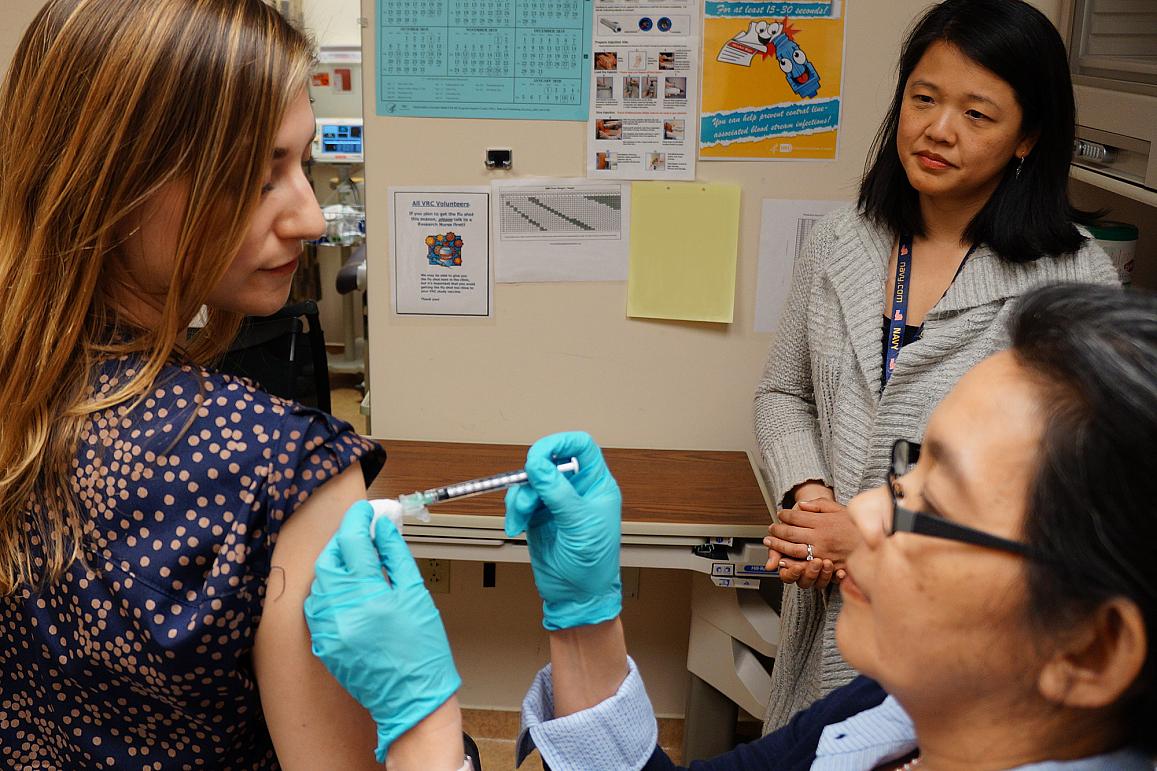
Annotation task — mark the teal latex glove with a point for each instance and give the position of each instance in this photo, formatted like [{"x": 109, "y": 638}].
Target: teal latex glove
[
  {"x": 382, "y": 640},
  {"x": 572, "y": 528}
]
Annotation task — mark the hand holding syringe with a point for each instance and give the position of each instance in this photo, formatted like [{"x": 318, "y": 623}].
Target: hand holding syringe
[{"x": 414, "y": 504}]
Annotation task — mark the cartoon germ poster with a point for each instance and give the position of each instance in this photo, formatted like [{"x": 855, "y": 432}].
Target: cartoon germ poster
[{"x": 772, "y": 80}]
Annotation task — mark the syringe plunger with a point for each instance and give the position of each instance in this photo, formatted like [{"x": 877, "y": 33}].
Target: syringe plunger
[{"x": 493, "y": 482}]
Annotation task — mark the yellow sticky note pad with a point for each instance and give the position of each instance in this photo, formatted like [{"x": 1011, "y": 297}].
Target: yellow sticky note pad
[{"x": 684, "y": 240}]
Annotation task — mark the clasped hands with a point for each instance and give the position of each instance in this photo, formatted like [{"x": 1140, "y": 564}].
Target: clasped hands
[{"x": 825, "y": 525}]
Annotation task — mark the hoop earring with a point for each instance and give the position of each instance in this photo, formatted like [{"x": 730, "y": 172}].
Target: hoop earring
[{"x": 1019, "y": 166}]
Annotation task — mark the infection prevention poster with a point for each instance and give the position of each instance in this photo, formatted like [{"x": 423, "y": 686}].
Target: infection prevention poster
[
  {"x": 772, "y": 80},
  {"x": 440, "y": 248}
]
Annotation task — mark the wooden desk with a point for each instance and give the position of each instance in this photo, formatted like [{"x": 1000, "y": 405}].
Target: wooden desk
[
  {"x": 672, "y": 500},
  {"x": 694, "y": 493}
]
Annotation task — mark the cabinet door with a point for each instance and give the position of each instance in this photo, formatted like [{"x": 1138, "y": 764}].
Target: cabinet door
[{"x": 1115, "y": 39}]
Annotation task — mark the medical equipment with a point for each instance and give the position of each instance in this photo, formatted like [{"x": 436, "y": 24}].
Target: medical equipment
[
  {"x": 345, "y": 225},
  {"x": 338, "y": 140},
  {"x": 415, "y": 503}
]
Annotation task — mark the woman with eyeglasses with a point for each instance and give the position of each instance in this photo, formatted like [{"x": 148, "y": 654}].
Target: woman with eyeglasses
[
  {"x": 1002, "y": 598},
  {"x": 962, "y": 208}
]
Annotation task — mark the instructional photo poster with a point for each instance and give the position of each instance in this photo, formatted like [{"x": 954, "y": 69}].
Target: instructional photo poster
[
  {"x": 643, "y": 90},
  {"x": 440, "y": 250},
  {"x": 772, "y": 80}
]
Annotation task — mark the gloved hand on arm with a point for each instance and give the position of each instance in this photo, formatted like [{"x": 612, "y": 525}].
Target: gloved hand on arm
[
  {"x": 573, "y": 530},
  {"x": 382, "y": 640}
]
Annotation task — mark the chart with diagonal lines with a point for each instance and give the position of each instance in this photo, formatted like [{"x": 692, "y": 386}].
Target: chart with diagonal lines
[{"x": 546, "y": 213}]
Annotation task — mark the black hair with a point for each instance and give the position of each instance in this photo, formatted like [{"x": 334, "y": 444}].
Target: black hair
[
  {"x": 1026, "y": 216},
  {"x": 1091, "y": 510}
]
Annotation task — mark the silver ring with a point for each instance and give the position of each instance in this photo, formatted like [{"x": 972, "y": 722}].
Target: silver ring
[{"x": 810, "y": 553}]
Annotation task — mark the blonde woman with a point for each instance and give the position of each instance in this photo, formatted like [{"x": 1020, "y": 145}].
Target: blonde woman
[{"x": 159, "y": 521}]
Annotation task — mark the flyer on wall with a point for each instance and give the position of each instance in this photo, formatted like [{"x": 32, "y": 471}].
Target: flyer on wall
[
  {"x": 561, "y": 229},
  {"x": 772, "y": 80},
  {"x": 523, "y": 59},
  {"x": 440, "y": 250},
  {"x": 644, "y": 90}
]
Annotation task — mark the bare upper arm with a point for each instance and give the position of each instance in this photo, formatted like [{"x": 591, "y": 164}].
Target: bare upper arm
[{"x": 310, "y": 716}]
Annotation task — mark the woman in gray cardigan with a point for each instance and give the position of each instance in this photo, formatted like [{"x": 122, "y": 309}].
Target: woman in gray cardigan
[{"x": 963, "y": 208}]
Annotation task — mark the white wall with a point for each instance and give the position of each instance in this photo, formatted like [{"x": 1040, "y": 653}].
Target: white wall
[
  {"x": 630, "y": 382},
  {"x": 18, "y": 14},
  {"x": 333, "y": 22}
]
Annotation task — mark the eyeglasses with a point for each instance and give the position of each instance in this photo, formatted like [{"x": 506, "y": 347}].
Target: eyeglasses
[{"x": 904, "y": 520}]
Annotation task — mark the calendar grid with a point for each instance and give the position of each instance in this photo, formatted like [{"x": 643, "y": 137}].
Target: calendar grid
[{"x": 483, "y": 52}]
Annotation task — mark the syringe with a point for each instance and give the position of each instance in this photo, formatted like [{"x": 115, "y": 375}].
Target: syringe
[{"x": 415, "y": 503}]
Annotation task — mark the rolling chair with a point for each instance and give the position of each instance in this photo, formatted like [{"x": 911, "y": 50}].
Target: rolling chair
[
  {"x": 350, "y": 277},
  {"x": 284, "y": 353},
  {"x": 472, "y": 751}
]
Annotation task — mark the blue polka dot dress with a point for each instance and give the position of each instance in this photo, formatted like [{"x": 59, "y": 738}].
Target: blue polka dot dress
[{"x": 142, "y": 658}]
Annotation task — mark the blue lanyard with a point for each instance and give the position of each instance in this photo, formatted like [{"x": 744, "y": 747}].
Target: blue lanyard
[{"x": 899, "y": 315}]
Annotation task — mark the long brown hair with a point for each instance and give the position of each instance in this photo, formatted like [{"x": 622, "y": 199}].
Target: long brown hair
[{"x": 106, "y": 103}]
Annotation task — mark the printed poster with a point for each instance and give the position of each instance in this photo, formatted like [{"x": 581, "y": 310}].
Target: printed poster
[
  {"x": 561, "y": 230},
  {"x": 527, "y": 59},
  {"x": 644, "y": 95},
  {"x": 440, "y": 249},
  {"x": 772, "y": 80},
  {"x": 784, "y": 229}
]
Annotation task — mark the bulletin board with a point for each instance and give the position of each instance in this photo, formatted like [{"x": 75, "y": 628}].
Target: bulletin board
[{"x": 557, "y": 356}]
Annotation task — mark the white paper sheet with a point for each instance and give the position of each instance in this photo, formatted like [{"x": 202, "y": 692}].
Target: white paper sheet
[
  {"x": 644, "y": 90},
  {"x": 783, "y": 229},
  {"x": 440, "y": 250},
  {"x": 561, "y": 230}
]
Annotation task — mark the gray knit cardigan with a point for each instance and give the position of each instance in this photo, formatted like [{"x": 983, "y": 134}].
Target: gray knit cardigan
[{"x": 819, "y": 411}]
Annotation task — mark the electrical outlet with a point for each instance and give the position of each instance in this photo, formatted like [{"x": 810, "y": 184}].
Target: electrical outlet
[{"x": 436, "y": 574}]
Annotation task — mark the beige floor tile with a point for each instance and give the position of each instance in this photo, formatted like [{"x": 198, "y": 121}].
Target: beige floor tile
[
  {"x": 347, "y": 403},
  {"x": 489, "y": 728},
  {"x": 498, "y": 755},
  {"x": 671, "y": 734},
  {"x": 490, "y": 723}
]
